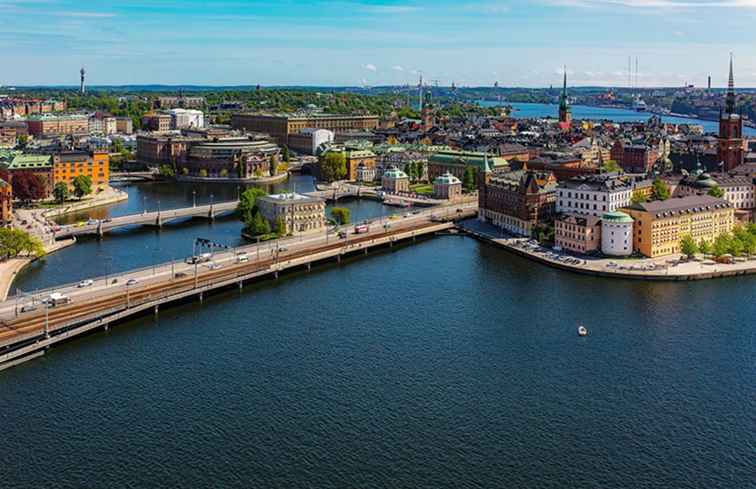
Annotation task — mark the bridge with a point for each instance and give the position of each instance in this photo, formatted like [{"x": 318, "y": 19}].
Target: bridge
[
  {"x": 153, "y": 218},
  {"x": 29, "y": 324},
  {"x": 134, "y": 176}
]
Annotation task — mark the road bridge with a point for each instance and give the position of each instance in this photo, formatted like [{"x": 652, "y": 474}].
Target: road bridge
[
  {"x": 152, "y": 218},
  {"x": 134, "y": 176},
  {"x": 29, "y": 325}
]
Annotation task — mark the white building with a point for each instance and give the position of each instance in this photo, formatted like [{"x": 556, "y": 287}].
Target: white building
[
  {"x": 616, "y": 234},
  {"x": 186, "y": 118},
  {"x": 593, "y": 195},
  {"x": 299, "y": 213}
]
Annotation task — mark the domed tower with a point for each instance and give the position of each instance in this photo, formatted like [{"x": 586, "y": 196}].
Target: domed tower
[{"x": 731, "y": 152}]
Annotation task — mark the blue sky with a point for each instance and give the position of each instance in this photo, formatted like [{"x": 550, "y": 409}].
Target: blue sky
[{"x": 315, "y": 42}]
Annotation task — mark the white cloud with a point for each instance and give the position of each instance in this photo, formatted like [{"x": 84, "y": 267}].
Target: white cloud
[
  {"x": 397, "y": 68},
  {"x": 370, "y": 67}
]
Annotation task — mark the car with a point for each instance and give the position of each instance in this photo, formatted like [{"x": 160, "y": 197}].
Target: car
[
  {"x": 281, "y": 249},
  {"x": 214, "y": 266},
  {"x": 85, "y": 283},
  {"x": 342, "y": 234},
  {"x": 242, "y": 258},
  {"x": 416, "y": 212},
  {"x": 28, "y": 308},
  {"x": 180, "y": 275},
  {"x": 132, "y": 281}
]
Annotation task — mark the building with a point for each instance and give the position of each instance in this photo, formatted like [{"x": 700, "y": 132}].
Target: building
[
  {"x": 308, "y": 140},
  {"x": 456, "y": 162},
  {"x": 35, "y": 164},
  {"x": 103, "y": 124},
  {"x": 164, "y": 149},
  {"x": 11, "y": 108},
  {"x": 514, "y": 152},
  {"x": 738, "y": 190},
  {"x": 565, "y": 111},
  {"x": 563, "y": 166},
  {"x": 616, "y": 234},
  {"x": 731, "y": 150},
  {"x": 634, "y": 158},
  {"x": 186, "y": 118},
  {"x": 366, "y": 174},
  {"x": 594, "y": 195},
  {"x": 577, "y": 234},
  {"x": 299, "y": 213},
  {"x": 67, "y": 165},
  {"x": 661, "y": 225},
  {"x": 356, "y": 158},
  {"x": 124, "y": 125},
  {"x": 280, "y": 126},
  {"x": 181, "y": 102},
  {"x": 10, "y": 131},
  {"x": 447, "y": 187},
  {"x": 517, "y": 201},
  {"x": 395, "y": 180},
  {"x": 58, "y": 125},
  {"x": 244, "y": 158},
  {"x": 157, "y": 122},
  {"x": 6, "y": 203}
]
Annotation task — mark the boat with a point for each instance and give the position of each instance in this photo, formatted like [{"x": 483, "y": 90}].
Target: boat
[{"x": 582, "y": 331}]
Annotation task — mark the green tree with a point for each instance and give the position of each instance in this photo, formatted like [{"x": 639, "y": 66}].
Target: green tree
[
  {"x": 721, "y": 245},
  {"x": 342, "y": 215},
  {"x": 258, "y": 226},
  {"x": 247, "y": 207},
  {"x": 333, "y": 166},
  {"x": 167, "y": 171},
  {"x": 638, "y": 197},
  {"x": 660, "y": 190},
  {"x": 688, "y": 246},
  {"x": 285, "y": 154},
  {"x": 280, "y": 228},
  {"x": 23, "y": 140},
  {"x": 705, "y": 247},
  {"x": 15, "y": 242},
  {"x": 82, "y": 185},
  {"x": 60, "y": 192},
  {"x": 716, "y": 192},
  {"x": 273, "y": 165},
  {"x": 611, "y": 166},
  {"x": 468, "y": 180},
  {"x": 203, "y": 172}
]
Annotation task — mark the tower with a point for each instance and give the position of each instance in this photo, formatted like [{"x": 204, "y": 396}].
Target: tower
[
  {"x": 565, "y": 112},
  {"x": 82, "y": 72},
  {"x": 730, "y": 152},
  {"x": 426, "y": 111}
]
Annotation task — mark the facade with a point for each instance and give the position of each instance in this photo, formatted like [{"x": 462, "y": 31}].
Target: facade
[
  {"x": 10, "y": 131},
  {"x": 186, "y": 118},
  {"x": 181, "y": 102},
  {"x": 164, "y": 149},
  {"x": 124, "y": 125},
  {"x": 738, "y": 190},
  {"x": 62, "y": 125},
  {"x": 232, "y": 157},
  {"x": 455, "y": 162},
  {"x": 39, "y": 165},
  {"x": 157, "y": 122},
  {"x": 447, "y": 187},
  {"x": 308, "y": 140},
  {"x": 616, "y": 234},
  {"x": 6, "y": 203},
  {"x": 280, "y": 126},
  {"x": 517, "y": 201},
  {"x": 70, "y": 164},
  {"x": 577, "y": 234},
  {"x": 634, "y": 158},
  {"x": 366, "y": 174},
  {"x": 731, "y": 150},
  {"x": 594, "y": 195},
  {"x": 11, "y": 108},
  {"x": 299, "y": 213},
  {"x": 661, "y": 225},
  {"x": 395, "y": 180},
  {"x": 100, "y": 123},
  {"x": 357, "y": 158}
]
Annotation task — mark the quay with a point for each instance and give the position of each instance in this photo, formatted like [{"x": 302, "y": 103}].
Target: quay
[{"x": 28, "y": 326}]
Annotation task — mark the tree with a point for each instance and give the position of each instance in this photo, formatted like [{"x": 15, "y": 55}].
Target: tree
[
  {"x": 705, "y": 247},
  {"x": 688, "y": 246},
  {"x": 273, "y": 165},
  {"x": 721, "y": 245},
  {"x": 203, "y": 172},
  {"x": 468, "y": 180},
  {"x": 248, "y": 203},
  {"x": 60, "y": 192},
  {"x": 419, "y": 170},
  {"x": 258, "y": 226},
  {"x": 23, "y": 140},
  {"x": 342, "y": 215},
  {"x": 82, "y": 185},
  {"x": 333, "y": 166},
  {"x": 611, "y": 166},
  {"x": 15, "y": 242},
  {"x": 716, "y": 192},
  {"x": 660, "y": 190},
  {"x": 638, "y": 197},
  {"x": 285, "y": 154},
  {"x": 280, "y": 228},
  {"x": 167, "y": 171},
  {"x": 28, "y": 186}
]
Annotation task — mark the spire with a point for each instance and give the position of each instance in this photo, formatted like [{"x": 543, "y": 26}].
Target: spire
[
  {"x": 730, "y": 101},
  {"x": 563, "y": 98}
]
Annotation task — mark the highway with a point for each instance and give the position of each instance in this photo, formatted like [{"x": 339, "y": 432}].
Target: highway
[{"x": 25, "y": 318}]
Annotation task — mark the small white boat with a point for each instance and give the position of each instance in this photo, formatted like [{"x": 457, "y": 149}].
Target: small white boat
[{"x": 582, "y": 331}]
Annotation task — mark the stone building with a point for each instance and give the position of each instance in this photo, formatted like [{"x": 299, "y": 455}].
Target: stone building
[
  {"x": 395, "y": 180},
  {"x": 578, "y": 234},
  {"x": 6, "y": 203},
  {"x": 447, "y": 187},
  {"x": 280, "y": 126},
  {"x": 616, "y": 234},
  {"x": 299, "y": 213}
]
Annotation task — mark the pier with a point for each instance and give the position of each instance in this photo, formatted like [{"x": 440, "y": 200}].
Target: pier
[{"x": 29, "y": 326}]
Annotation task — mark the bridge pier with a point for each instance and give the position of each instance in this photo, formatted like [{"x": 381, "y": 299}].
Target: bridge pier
[
  {"x": 159, "y": 221},
  {"x": 211, "y": 214},
  {"x": 100, "y": 232},
  {"x": 309, "y": 266},
  {"x": 156, "y": 309},
  {"x": 201, "y": 297},
  {"x": 241, "y": 284}
]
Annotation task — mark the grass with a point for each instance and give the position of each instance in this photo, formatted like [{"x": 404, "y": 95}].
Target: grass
[{"x": 422, "y": 188}]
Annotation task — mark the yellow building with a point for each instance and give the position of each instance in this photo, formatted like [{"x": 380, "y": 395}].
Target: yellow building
[
  {"x": 70, "y": 164},
  {"x": 661, "y": 225}
]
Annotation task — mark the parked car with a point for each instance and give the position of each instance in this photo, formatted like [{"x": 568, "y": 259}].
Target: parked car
[
  {"x": 180, "y": 275},
  {"x": 85, "y": 283},
  {"x": 132, "y": 281}
]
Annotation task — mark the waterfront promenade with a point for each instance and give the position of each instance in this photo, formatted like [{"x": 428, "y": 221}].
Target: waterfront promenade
[
  {"x": 29, "y": 325},
  {"x": 667, "y": 268}
]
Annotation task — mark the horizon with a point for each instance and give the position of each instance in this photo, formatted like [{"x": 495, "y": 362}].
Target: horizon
[{"x": 377, "y": 42}]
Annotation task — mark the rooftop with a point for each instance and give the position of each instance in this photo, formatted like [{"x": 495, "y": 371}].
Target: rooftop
[{"x": 681, "y": 205}]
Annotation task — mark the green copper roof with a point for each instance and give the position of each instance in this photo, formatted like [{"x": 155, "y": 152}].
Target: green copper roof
[
  {"x": 617, "y": 216},
  {"x": 395, "y": 173},
  {"x": 457, "y": 158},
  {"x": 30, "y": 161},
  {"x": 446, "y": 179}
]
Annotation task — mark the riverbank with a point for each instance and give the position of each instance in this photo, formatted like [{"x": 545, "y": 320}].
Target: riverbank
[
  {"x": 669, "y": 268},
  {"x": 9, "y": 269},
  {"x": 261, "y": 180},
  {"x": 106, "y": 197}
]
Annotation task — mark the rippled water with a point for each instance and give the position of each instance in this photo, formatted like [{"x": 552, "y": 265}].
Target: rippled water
[{"x": 444, "y": 364}]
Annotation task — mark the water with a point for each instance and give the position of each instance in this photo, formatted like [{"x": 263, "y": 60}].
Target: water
[
  {"x": 444, "y": 364},
  {"x": 137, "y": 246},
  {"x": 583, "y": 112}
]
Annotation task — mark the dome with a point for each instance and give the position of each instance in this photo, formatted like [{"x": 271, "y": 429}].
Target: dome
[
  {"x": 705, "y": 180},
  {"x": 617, "y": 217},
  {"x": 395, "y": 173},
  {"x": 447, "y": 179}
]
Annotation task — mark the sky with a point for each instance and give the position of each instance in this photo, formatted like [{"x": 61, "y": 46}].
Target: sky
[{"x": 376, "y": 42}]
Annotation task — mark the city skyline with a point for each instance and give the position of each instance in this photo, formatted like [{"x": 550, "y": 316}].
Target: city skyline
[{"x": 373, "y": 43}]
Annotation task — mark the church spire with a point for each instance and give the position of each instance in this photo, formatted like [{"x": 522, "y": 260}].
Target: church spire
[
  {"x": 563, "y": 98},
  {"x": 730, "y": 101}
]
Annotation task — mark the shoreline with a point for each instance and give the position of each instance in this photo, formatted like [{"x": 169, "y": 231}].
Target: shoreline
[
  {"x": 118, "y": 196},
  {"x": 678, "y": 272},
  {"x": 10, "y": 269},
  {"x": 262, "y": 180}
]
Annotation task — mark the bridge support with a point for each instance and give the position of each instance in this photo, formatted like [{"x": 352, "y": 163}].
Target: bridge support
[
  {"x": 201, "y": 297},
  {"x": 156, "y": 309},
  {"x": 309, "y": 266},
  {"x": 211, "y": 214},
  {"x": 99, "y": 229},
  {"x": 241, "y": 284},
  {"x": 105, "y": 327},
  {"x": 338, "y": 258},
  {"x": 159, "y": 221},
  {"x": 275, "y": 274},
  {"x": 366, "y": 250}
]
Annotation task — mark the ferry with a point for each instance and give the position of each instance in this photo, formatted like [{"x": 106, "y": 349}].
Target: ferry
[{"x": 582, "y": 331}]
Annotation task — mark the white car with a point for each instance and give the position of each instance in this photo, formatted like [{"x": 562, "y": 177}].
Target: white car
[{"x": 85, "y": 283}]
